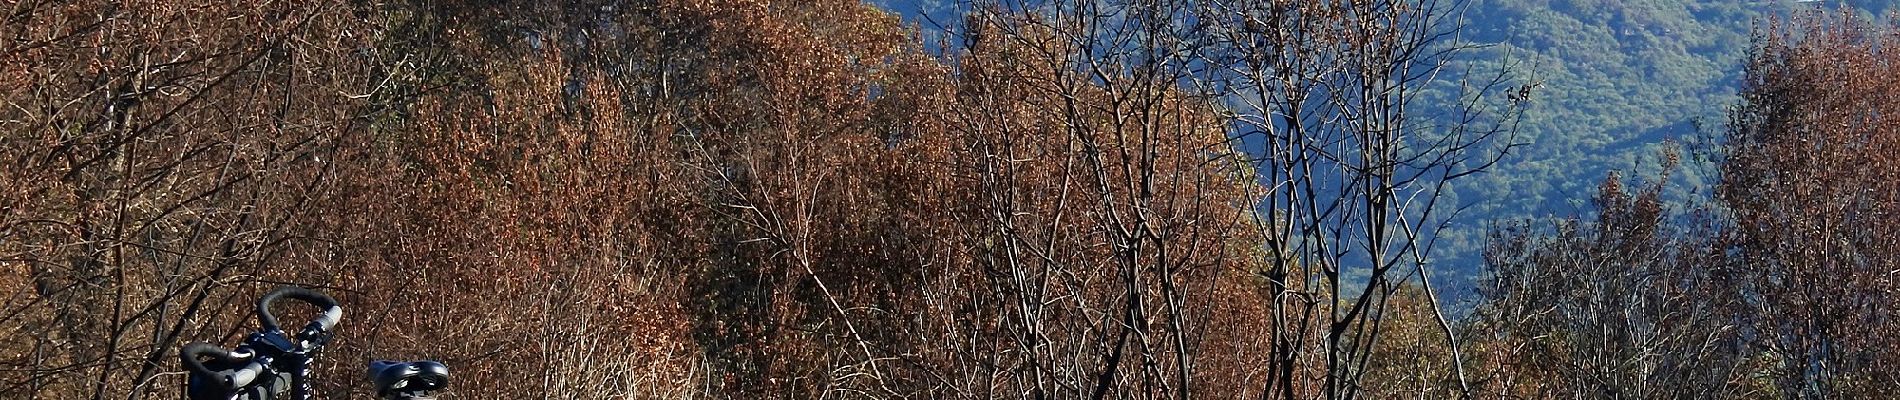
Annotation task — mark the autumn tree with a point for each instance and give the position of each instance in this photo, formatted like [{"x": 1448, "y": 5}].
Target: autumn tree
[
  {"x": 1810, "y": 176},
  {"x": 1628, "y": 304},
  {"x": 1316, "y": 95},
  {"x": 668, "y": 199},
  {"x": 1353, "y": 183},
  {"x": 160, "y": 162},
  {"x": 734, "y": 198},
  {"x": 1104, "y": 207}
]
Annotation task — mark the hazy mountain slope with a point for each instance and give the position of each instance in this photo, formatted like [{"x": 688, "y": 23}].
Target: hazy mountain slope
[{"x": 1615, "y": 80}]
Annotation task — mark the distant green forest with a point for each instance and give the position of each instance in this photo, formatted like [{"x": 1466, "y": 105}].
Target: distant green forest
[{"x": 1615, "y": 81}]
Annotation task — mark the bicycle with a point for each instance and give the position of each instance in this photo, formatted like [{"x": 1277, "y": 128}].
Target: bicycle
[{"x": 271, "y": 364}]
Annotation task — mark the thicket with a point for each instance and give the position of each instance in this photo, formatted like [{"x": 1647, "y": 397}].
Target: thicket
[
  {"x": 657, "y": 199},
  {"x": 794, "y": 199}
]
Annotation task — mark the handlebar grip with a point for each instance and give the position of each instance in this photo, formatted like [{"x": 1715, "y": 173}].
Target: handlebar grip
[
  {"x": 331, "y": 312},
  {"x": 243, "y": 376},
  {"x": 231, "y": 379},
  {"x": 189, "y": 357}
]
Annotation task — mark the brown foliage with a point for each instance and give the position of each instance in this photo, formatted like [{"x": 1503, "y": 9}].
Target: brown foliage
[
  {"x": 1103, "y": 212},
  {"x": 695, "y": 223},
  {"x": 589, "y": 199},
  {"x": 1811, "y": 176},
  {"x": 155, "y": 155},
  {"x": 1628, "y": 304}
]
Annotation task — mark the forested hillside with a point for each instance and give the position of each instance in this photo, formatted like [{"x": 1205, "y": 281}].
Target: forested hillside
[
  {"x": 742, "y": 199},
  {"x": 1615, "y": 81},
  {"x": 1781, "y": 288}
]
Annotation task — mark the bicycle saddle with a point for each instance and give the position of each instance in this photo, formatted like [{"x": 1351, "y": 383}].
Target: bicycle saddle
[{"x": 408, "y": 380}]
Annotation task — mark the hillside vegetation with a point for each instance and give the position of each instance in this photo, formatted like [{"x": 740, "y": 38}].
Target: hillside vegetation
[
  {"x": 744, "y": 199},
  {"x": 1618, "y": 82},
  {"x": 1614, "y": 84}
]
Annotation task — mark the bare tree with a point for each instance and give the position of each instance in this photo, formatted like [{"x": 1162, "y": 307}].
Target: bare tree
[
  {"x": 1628, "y": 305},
  {"x": 765, "y": 197},
  {"x": 1349, "y": 180},
  {"x": 1106, "y": 206},
  {"x": 160, "y": 161},
  {"x": 1325, "y": 96}
]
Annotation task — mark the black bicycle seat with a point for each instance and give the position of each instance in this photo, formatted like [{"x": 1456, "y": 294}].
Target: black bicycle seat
[{"x": 408, "y": 380}]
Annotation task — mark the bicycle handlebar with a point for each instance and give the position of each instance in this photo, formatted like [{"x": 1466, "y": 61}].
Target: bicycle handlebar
[
  {"x": 271, "y": 361},
  {"x": 230, "y": 379},
  {"x": 189, "y": 355},
  {"x": 331, "y": 312}
]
